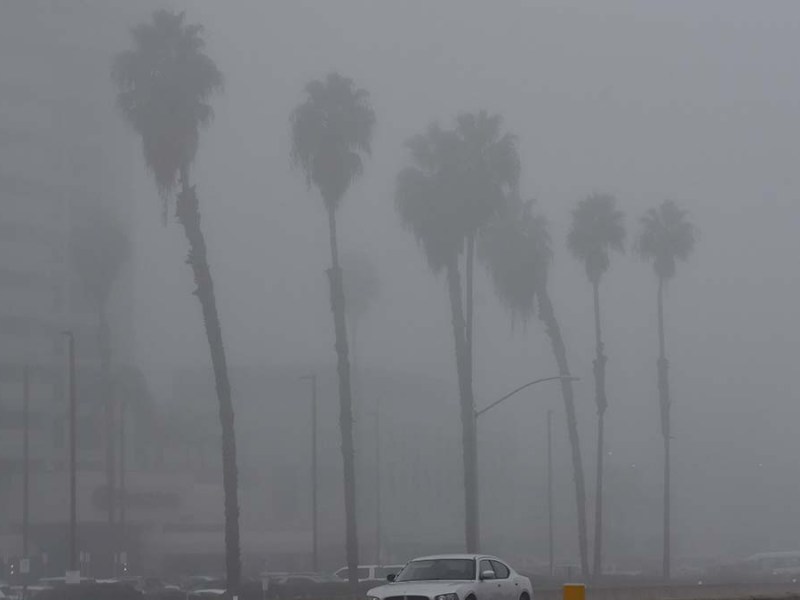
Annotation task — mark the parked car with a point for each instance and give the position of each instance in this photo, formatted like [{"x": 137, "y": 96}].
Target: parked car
[
  {"x": 455, "y": 577},
  {"x": 370, "y": 572}
]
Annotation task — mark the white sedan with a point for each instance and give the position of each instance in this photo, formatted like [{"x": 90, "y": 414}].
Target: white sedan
[{"x": 455, "y": 577}]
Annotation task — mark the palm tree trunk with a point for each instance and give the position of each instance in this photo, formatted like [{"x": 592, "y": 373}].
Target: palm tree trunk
[
  {"x": 470, "y": 303},
  {"x": 104, "y": 342},
  {"x": 664, "y": 403},
  {"x": 345, "y": 400},
  {"x": 602, "y": 404},
  {"x": 188, "y": 213},
  {"x": 548, "y": 317},
  {"x": 468, "y": 433}
]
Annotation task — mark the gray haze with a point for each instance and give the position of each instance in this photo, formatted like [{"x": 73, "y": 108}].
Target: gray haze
[{"x": 696, "y": 102}]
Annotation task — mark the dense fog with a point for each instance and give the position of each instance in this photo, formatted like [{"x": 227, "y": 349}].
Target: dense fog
[{"x": 644, "y": 101}]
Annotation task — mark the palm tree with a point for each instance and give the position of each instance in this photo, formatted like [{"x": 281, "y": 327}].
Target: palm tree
[
  {"x": 99, "y": 249},
  {"x": 164, "y": 84},
  {"x": 516, "y": 248},
  {"x": 597, "y": 229},
  {"x": 666, "y": 237},
  {"x": 361, "y": 289},
  {"x": 455, "y": 184},
  {"x": 331, "y": 135}
]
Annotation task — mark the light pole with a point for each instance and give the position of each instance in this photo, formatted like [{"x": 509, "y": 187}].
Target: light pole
[
  {"x": 73, "y": 495},
  {"x": 378, "y": 515},
  {"x": 26, "y": 398},
  {"x": 497, "y": 402},
  {"x": 314, "y": 517},
  {"x": 550, "y": 489}
]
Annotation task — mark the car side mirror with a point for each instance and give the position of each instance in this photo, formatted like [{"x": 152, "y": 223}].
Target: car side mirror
[
  {"x": 487, "y": 575},
  {"x": 391, "y": 577}
]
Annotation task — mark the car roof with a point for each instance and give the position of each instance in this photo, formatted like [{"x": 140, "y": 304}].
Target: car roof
[{"x": 457, "y": 556}]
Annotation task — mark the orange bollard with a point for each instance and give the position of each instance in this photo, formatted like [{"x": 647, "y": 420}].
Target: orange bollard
[{"x": 574, "y": 591}]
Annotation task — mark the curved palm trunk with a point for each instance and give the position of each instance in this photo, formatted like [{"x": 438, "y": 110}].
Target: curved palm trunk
[
  {"x": 664, "y": 403},
  {"x": 104, "y": 342},
  {"x": 599, "y": 365},
  {"x": 345, "y": 401},
  {"x": 188, "y": 213},
  {"x": 548, "y": 317},
  {"x": 468, "y": 432}
]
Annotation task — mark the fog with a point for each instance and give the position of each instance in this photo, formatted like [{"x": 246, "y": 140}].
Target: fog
[{"x": 647, "y": 101}]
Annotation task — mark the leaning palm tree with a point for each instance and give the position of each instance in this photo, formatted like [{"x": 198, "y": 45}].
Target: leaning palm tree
[
  {"x": 597, "y": 229},
  {"x": 331, "y": 135},
  {"x": 164, "y": 84},
  {"x": 99, "y": 249},
  {"x": 456, "y": 182},
  {"x": 666, "y": 237},
  {"x": 517, "y": 251}
]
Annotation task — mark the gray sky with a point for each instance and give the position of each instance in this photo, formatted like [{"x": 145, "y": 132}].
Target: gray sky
[{"x": 694, "y": 101}]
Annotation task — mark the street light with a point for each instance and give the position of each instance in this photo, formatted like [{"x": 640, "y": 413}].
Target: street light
[
  {"x": 73, "y": 508},
  {"x": 497, "y": 402},
  {"x": 314, "y": 529}
]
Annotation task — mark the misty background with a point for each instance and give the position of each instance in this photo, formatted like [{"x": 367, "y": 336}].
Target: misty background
[{"x": 696, "y": 102}]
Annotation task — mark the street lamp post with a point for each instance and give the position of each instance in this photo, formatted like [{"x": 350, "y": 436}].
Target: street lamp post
[
  {"x": 73, "y": 494},
  {"x": 26, "y": 398},
  {"x": 314, "y": 512},
  {"x": 485, "y": 409}
]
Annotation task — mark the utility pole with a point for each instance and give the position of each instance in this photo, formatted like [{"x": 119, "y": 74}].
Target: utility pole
[
  {"x": 378, "y": 516},
  {"x": 26, "y": 477},
  {"x": 314, "y": 512},
  {"x": 73, "y": 455},
  {"x": 550, "y": 488},
  {"x": 122, "y": 489}
]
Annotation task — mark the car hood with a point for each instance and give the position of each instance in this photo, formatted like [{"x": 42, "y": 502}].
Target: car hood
[{"x": 418, "y": 588}]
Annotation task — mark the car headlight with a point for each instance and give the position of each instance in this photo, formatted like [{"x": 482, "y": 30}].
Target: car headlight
[{"x": 447, "y": 597}]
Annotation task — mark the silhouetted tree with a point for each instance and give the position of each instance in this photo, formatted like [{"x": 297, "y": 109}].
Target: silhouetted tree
[
  {"x": 666, "y": 237},
  {"x": 99, "y": 249},
  {"x": 456, "y": 183},
  {"x": 517, "y": 251},
  {"x": 164, "y": 85},
  {"x": 597, "y": 229},
  {"x": 331, "y": 134}
]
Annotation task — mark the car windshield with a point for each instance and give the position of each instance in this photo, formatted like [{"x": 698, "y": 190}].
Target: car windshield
[{"x": 438, "y": 569}]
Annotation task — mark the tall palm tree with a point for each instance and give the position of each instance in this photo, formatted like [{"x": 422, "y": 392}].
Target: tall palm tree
[
  {"x": 456, "y": 182},
  {"x": 331, "y": 135},
  {"x": 517, "y": 251},
  {"x": 164, "y": 85},
  {"x": 666, "y": 237},
  {"x": 99, "y": 249},
  {"x": 597, "y": 229}
]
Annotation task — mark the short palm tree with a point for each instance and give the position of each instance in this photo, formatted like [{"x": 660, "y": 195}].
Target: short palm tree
[
  {"x": 100, "y": 248},
  {"x": 164, "y": 84},
  {"x": 666, "y": 237},
  {"x": 331, "y": 135},
  {"x": 456, "y": 182},
  {"x": 517, "y": 250},
  {"x": 597, "y": 229}
]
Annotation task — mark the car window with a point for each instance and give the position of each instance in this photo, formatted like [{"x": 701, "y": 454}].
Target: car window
[
  {"x": 485, "y": 566},
  {"x": 383, "y": 572},
  {"x": 500, "y": 570},
  {"x": 362, "y": 573},
  {"x": 341, "y": 573}
]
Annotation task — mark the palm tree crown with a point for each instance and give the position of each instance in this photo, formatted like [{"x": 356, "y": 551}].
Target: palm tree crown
[
  {"x": 516, "y": 248},
  {"x": 457, "y": 181},
  {"x": 164, "y": 85},
  {"x": 331, "y": 131},
  {"x": 666, "y": 237},
  {"x": 597, "y": 228}
]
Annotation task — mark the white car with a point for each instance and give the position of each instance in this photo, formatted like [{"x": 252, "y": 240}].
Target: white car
[{"x": 455, "y": 577}]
